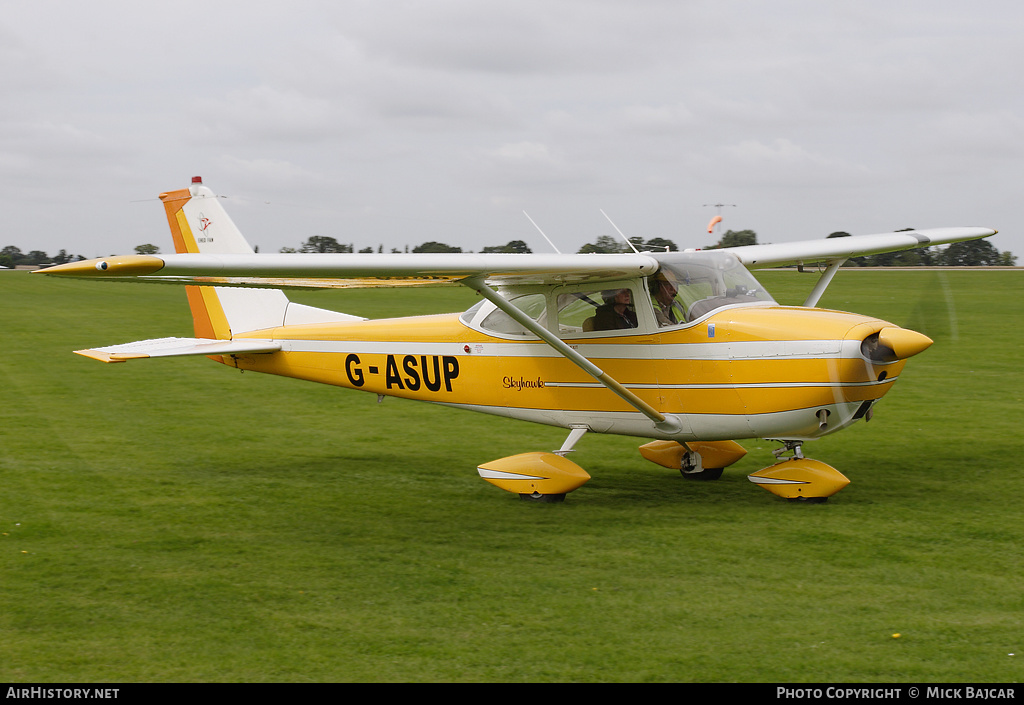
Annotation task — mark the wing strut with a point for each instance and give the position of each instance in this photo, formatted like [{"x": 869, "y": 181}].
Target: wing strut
[
  {"x": 823, "y": 281},
  {"x": 666, "y": 424}
]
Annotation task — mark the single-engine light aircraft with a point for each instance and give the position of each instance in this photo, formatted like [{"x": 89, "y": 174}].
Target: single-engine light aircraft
[{"x": 684, "y": 349}]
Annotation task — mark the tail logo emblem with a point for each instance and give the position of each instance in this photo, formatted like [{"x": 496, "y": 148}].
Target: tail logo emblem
[{"x": 204, "y": 224}]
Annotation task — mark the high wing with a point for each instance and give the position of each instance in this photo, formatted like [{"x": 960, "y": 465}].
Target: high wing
[
  {"x": 210, "y": 251},
  {"x": 328, "y": 270},
  {"x": 841, "y": 248}
]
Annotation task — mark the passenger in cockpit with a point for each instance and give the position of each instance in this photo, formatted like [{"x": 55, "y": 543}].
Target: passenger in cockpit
[{"x": 617, "y": 312}]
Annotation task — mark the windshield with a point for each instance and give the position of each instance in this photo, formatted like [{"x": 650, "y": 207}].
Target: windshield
[{"x": 691, "y": 284}]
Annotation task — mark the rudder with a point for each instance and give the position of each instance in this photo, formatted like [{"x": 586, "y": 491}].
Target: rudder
[{"x": 199, "y": 224}]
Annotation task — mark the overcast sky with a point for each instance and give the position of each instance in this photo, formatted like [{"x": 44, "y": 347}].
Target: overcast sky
[{"x": 398, "y": 122}]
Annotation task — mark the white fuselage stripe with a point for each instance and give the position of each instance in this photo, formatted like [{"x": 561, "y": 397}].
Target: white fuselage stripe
[
  {"x": 730, "y": 385},
  {"x": 747, "y": 350}
]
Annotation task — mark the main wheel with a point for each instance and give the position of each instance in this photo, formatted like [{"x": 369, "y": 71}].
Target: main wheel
[
  {"x": 704, "y": 475},
  {"x": 538, "y": 497}
]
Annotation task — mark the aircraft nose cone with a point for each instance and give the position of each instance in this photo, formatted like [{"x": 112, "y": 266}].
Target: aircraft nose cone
[{"x": 904, "y": 343}]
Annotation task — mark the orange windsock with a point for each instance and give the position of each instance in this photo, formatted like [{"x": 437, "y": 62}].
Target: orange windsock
[{"x": 714, "y": 221}]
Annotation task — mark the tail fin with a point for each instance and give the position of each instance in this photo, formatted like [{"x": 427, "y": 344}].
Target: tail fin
[{"x": 199, "y": 223}]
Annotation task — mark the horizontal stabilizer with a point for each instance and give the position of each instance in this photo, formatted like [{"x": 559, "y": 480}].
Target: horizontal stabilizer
[{"x": 178, "y": 347}]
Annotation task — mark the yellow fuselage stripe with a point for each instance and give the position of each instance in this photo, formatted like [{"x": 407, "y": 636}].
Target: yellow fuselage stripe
[{"x": 426, "y": 358}]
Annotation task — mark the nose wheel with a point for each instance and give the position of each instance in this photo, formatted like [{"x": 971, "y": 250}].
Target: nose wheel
[
  {"x": 794, "y": 447},
  {"x": 695, "y": 460}
]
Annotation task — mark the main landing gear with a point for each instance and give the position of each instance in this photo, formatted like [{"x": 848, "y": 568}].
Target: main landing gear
[
  {"x": 538, "y": 477},
  {"x": 799, "y": 479},
  {"x": 548, "y": 477}
]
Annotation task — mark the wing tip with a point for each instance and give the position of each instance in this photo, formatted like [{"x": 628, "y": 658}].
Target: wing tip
[{"x": 119, "y": 265}]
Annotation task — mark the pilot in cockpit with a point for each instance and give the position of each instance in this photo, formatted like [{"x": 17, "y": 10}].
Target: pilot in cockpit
[{"x": 667, "y": 310}]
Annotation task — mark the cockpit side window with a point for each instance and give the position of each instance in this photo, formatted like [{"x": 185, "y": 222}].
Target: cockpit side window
[
  {"x": 593, "y": 310},
  {"x": 533, "y": 305}
]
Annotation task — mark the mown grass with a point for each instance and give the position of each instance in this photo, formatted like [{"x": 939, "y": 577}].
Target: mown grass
[{"x": 176, "y": 520}]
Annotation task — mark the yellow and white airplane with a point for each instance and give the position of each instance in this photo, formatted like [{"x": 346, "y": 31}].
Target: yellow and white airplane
[{"x": 686, "y": 349}]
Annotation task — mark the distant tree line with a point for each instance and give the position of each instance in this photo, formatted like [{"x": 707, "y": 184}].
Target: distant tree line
[
  {"x": 322, "y": 243},
  {"x": 12, "y": 256},
  {"x": 972, "y": 253},
  {"x": 603, "y": 244},
  {"x": 606, "y": 244}
]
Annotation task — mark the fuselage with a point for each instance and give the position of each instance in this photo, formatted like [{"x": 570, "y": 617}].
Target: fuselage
[{"x": 741, "y": 371}]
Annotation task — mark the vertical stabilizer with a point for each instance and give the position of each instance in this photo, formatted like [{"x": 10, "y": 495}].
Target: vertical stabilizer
[{"x": 199, "y": 223}]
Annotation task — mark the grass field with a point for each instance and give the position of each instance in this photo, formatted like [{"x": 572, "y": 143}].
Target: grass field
[{"x": 179, "y": 521}]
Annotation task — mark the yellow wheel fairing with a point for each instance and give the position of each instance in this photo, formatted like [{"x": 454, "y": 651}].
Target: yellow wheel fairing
[
  {"x": 800, "y": 478},
  {"x": 714, "y": 454},
  {"x": 534, "y": 473}
]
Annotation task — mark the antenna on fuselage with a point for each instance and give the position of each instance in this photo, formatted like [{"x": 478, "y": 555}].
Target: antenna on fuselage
[
  {"x": 542, "y": 233},
  {"x": 636, "y": 251}
]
